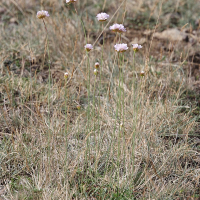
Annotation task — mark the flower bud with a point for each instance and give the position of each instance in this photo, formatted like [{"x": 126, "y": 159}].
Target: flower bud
[
  {"x": 66, "y": 75},
  {"x": 95, "y": 72},
  {"x": 78, "y": 107},
  {"x": 96, "y": 65},
  {"x": 142, "y": 73}
]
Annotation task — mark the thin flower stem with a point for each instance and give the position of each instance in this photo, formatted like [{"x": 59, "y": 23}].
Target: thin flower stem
[
  {"x": 45, "y": 26},
  {"x": 119, "y": 105},
  {"x": 49, "y": 87},
  {"x": 123, "y": 110},
  {"x": 100, "y": 87},
  {"x": 94, "y": 108},
  {"x": 134, "y": 116},
  {"x": 65, "y": 132},
  {"x": 88, "y": 87},
  {"x": 120, "y": 37},
  {"x": 88, "y": 108}
]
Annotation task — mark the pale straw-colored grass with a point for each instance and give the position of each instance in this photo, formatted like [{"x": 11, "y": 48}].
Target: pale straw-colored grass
[{"x": 99, "y": 156}]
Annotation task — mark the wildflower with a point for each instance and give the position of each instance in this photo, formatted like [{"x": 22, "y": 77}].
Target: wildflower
[
  {"x": 142, "y": 73},
  {"x": 88, "y": 47},
  {"x": 66, "y": 75},
  {"x": 117, "y": 28},
  {"x": 42, "y": 14},
  {"x": 121, "y": 47},
  {"x": 70, "y": 1},
  {"x": 95, "y": 72},
  {"x": 136, "y": 47},
  {"x": 96, "y": 65},
  {"x": 102, "y": 17}
]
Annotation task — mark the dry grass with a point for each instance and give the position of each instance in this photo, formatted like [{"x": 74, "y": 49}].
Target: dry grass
[{"x": 122, "y": 143}]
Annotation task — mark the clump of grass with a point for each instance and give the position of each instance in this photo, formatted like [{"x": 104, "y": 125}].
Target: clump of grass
[{"x": 117, "y": 134}]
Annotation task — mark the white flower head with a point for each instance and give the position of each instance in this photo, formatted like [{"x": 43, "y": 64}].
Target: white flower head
[
  {"x": 136, "y": 47},
  {"x": 42, "y": 14},
  {"x": 66, "y": 75},
  {"x": 121, "y": 47},
  {"x": 142, "y": 73},
  {"x": 117, "y": 28},
  {"x": 88, "y": 47},
  {"x": 96, "y": 65},
  {"x": 102, "y": 16},
  {"x": 70, "y": 1}
]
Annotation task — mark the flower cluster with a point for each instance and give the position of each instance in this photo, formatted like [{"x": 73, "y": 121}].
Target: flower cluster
[
  {"x": 102, "y": 17},
  {"x": 118, "y": 28},
  {"x": 42, "y": 14},
  {"x": 88, "y": 47},
  {"x": 136, "y": 47},
  {"x": 121, "y": 47}
]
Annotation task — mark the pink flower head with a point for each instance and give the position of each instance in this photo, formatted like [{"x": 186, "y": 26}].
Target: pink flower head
[
  {"x": 102, "y": 17},
  {"x": 42, "y": 14},
  {"x": 117, "y": 28},
  {"x": 88, "y": 47},
  {"x": 136, "y": 47},
  {"x": 70, "y": 1},
  {"x": 121, "y": 47}
]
